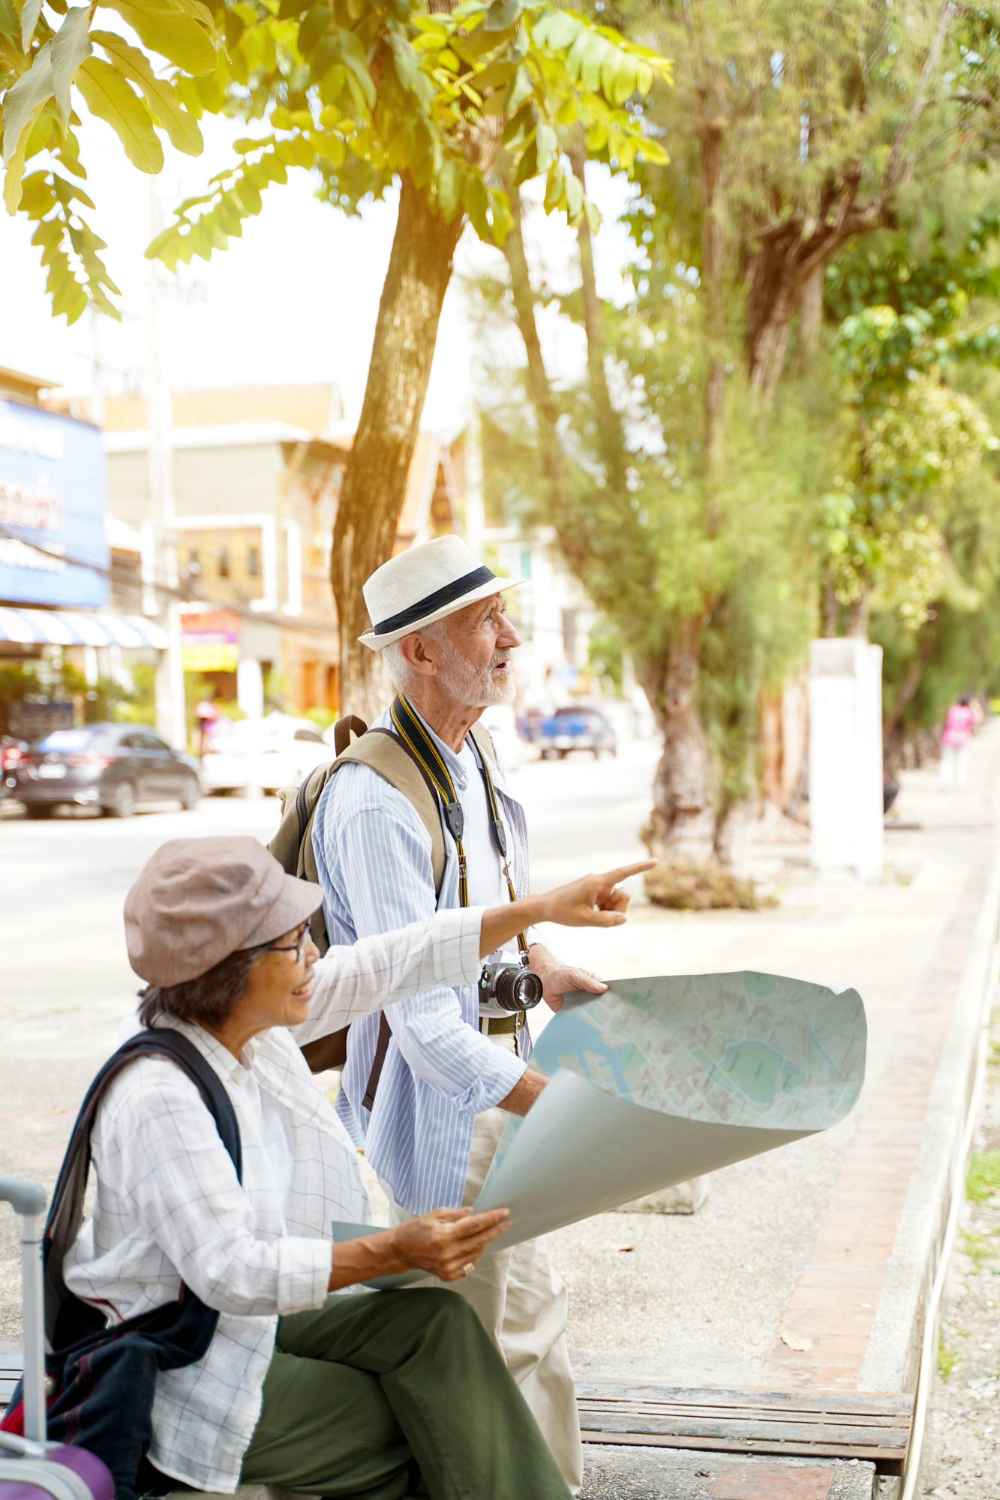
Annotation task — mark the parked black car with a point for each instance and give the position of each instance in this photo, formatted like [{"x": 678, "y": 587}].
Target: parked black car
[{"x": 115, "y": 767}]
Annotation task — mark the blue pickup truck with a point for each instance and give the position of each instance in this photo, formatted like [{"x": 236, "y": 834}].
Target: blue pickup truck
[{"x": 578, "y": 727}]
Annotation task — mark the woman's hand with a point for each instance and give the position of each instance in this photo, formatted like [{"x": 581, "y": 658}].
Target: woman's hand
[
  {"x": 593, "y": 901},
  {"x": 447, "y": 1240}
]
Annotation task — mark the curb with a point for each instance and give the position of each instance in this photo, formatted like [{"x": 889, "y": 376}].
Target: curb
[{"x": 893, "y": 1357}]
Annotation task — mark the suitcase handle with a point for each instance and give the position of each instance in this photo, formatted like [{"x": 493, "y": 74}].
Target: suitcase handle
[
  {"x": 28, "y": 1199},
  {"x": 24, "y": 1197}
]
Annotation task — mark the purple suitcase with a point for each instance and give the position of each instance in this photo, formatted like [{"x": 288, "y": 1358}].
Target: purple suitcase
[{"x": 30, "y": 1467}]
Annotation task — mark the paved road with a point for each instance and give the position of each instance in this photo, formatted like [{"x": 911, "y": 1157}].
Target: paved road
[{"x": 64, "y": 976}]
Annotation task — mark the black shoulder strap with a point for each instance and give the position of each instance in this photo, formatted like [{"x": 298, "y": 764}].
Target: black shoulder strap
[{"x": 66, "y": 1210}]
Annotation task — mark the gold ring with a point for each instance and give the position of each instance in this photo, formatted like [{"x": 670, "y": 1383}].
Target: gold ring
[{"x": 468, "y": 1268}]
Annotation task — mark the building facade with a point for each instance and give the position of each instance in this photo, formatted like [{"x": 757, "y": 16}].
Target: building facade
[
  {"x": 56, "y": 564},
  {"x": 255, "y": 475}
]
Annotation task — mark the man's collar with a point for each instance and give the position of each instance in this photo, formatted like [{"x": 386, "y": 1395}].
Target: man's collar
[{"x": 451, "y": 759}]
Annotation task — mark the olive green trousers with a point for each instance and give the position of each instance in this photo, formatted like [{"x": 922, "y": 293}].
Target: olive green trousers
[{"x": 388, "y": 1396}]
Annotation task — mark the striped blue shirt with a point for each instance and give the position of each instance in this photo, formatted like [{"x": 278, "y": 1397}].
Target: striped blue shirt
[{"x": 374, "y": 859}]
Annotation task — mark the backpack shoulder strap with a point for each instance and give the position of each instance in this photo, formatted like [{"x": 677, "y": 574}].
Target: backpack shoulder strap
[
  {"x": 66, "y": 1210},
  {"x": 383, "y": 752}
]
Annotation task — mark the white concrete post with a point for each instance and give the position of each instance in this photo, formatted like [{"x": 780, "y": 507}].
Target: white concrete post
[
  {"x": 845, "y": 758},
  {"x": 250, "y": 687}
]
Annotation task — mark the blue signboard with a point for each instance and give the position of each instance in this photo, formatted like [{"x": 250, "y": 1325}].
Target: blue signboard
[{"x": 52, "y": 498}]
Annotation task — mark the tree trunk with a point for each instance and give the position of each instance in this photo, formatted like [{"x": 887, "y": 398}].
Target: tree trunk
[
  {"x": 374, "y": 484},
  {"x": 713, "y": 254},
  {"x": 859, "y": 615},
  {"x": 907, "y": 690},
  {"x": 811, "y": 316},
  {"x": 831, "y": 611},
  {"x": 558, "y": 508},
  {"x": 770, "y": 346},
  {"x": 684, "y": 820},
  {"x": 609, "y": 427}
]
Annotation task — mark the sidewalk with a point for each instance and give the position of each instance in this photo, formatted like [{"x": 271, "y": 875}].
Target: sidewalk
[{"x": 831, "y": 1241}]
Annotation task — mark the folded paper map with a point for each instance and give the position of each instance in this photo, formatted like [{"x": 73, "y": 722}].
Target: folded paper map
[{"x": 666, "y": 1078}]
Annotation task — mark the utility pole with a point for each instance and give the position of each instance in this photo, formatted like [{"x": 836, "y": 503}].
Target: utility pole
[
  {"x": 171, "y": 710},
  {"x": 475, "y": 511}
]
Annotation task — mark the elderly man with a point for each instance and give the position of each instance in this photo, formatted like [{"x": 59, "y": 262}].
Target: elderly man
[{"x": 447, "y": 1075}]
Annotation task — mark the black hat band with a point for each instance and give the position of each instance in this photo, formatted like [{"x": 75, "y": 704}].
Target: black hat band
[{"x": 427, "y": 606}]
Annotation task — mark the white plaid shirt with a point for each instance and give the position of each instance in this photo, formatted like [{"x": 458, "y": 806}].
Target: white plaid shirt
[{"x": 169, "y": 1207}]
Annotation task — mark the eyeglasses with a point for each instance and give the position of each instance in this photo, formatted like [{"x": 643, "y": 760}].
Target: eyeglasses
[{"x": 296, "y": 947}]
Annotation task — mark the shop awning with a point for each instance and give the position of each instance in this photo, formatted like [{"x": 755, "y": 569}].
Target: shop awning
[{"x": 66, "y": 627}]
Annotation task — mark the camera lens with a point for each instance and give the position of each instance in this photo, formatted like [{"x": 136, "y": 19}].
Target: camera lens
[{"x": 517, "y": 989}]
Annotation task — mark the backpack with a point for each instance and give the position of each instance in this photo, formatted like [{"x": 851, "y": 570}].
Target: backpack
[
  {"x": 102, "y": 1379},
  {"x": 384, "y": 752}
]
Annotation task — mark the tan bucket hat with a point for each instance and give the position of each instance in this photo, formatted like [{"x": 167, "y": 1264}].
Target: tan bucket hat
[{"x": 199, "y": 900}]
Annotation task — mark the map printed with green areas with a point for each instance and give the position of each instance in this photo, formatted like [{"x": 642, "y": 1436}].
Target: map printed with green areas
[{"x": 733, "y": 1049}]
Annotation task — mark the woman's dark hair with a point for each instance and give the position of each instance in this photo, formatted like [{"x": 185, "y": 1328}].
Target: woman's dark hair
[
  {"x": 207, "y": 1000},
  {"x": 965, "y": 700}
]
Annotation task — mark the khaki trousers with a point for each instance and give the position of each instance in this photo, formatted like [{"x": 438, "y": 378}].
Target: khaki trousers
[{"x": 522, "y": 1303}]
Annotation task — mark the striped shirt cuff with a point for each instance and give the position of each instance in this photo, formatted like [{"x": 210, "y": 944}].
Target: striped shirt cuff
[
  {"x": 457, "y": 940},
  {"x": 304, "y": 1267}
]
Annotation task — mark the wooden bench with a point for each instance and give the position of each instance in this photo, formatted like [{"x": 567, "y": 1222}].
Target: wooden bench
[{"x": 836, "y": 1425}]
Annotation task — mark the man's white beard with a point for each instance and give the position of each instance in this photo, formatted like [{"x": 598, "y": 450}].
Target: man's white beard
[{"x": 475, "y": 687}]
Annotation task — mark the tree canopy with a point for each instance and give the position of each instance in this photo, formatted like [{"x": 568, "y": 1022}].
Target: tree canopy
[{"x": 362, "y": 91}]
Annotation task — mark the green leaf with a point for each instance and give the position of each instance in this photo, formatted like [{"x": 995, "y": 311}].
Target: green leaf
[
  {"x": 29, "y": 20},
  {"x": 111, "y": 99},
  {"x": 477, "y": 203},
  {"x": 652, "y": 151},
  {"x": 22, "y": 103},
  {"x": 289, "y": 9},
  {"x": 70, "y": 45},
  {"x": 234, "y": 28},
  {"x": 37, "y": 195},
  {"x": 179, "y": 38},
  {"x": 329, "y": 148},
  {"x": 66, "y": 191},
  {"x": 502, "y": 214},
  {"x": 315, "y": 24},
  {"x": 9, "y": 20},
  {"x": 556, "y": 29},
  {"x": 15, "y": 167},
  {"x": 574, "y": 198},
  {"x": 501, "y": 15},
  {"x": 355, "y": 59},
  {"x": 593, "y": 61},
  {"x": 449, "y": 188},
  {"x": 521, "y": 90},
  {"x": 156, "y": 247},
  {"x": 248, "y": 195},
  {"x": 546, "y": 145},
  {"x": 404, "y": 60},
  {"x": 161, "y": 100},
  {"x": 555, "y": 187}
]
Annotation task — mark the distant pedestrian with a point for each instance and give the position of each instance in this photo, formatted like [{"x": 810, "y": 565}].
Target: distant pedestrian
[
  {"x": 958, "y": 729},
  {"x": 207, "y": 715}
]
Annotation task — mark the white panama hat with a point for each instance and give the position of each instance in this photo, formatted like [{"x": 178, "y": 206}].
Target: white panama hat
[{"x": 425, "y": 584}]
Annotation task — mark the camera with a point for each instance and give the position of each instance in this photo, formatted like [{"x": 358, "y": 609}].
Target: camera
[{"x": 508, "y": 987}]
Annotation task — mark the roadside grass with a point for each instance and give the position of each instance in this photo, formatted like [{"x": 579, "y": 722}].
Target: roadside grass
[
  {"x": 978, "y": 1248},
  {"x": 984, "y": 1176},
  {"x": 946, "y": 1358}
]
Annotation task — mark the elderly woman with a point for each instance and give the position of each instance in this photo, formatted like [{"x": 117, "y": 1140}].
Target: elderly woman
[{"x": 377, "y": 1396}]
